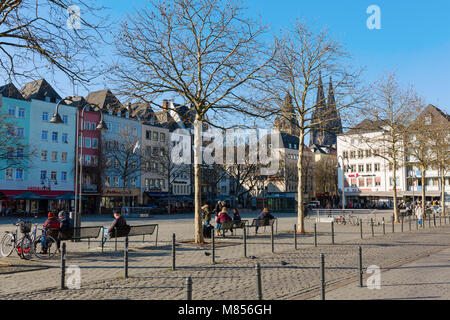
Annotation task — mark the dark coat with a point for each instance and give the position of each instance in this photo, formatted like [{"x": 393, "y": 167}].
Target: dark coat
[{"x": 117, "y": 223}]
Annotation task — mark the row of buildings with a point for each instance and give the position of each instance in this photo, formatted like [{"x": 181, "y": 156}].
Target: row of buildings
[{"x": 368, "y": 177}]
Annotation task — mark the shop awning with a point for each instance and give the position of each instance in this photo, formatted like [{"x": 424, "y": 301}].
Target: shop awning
[
  {"x": 28, "y": 196},
  {"x": 68, "y": 196},
  {"x": 156, "y": 194}
]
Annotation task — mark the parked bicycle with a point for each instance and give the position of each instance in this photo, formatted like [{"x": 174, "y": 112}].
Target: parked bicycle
[
  {"x": 44, "y": 245},
  {"x": 22, "y": 245}
]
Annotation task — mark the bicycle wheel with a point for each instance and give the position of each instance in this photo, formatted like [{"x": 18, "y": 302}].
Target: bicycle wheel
[
  {"x": 27, "y": 247},
  {"x": 44, "y": 249},
  {"x": 7, "y": 245}
]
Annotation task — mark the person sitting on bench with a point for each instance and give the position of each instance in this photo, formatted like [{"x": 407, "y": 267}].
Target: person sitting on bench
[
  {"x": 65, "y": 229},
  {"x": 119, "y": 222},
  {"x": 264, "y": 215}
]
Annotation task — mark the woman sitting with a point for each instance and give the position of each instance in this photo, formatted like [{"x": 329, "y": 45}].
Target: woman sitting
[{"x": 221, "y": 218}]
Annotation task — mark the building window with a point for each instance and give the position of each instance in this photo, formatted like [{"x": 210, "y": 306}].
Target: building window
[
  {"x": 360, "y": 154},
  {"x": 148, "y": 134},
  {"x": 20, "y": 132},
  {"x": 21, "y": 113},
  {"x": 55, "y": 136},
  {"x": 116, "y": 163},
  {"x": 369, "y": 182},
  {"x": 368, "y": 167},
  {"x": 94, "y": 143},
  {"x": 64, "y": 138},
  {"x": 19, "y": 174},
  {"x": 10, "y": 131},
  {"x": 155, "y": 136},
  {"x": 377, "y": 167},
  {"x": 345, "y": 154},
  {"x": 87, "y": 142},
  {"x": 44, "y": 116},
  {"x": 361, "y": 182},
  {"x": 9, "y": 174},
  {"x": 162, "y": 137},
  {"x": 63, "y": 176},
  {"x": 12, "y": 111},
  {"x": 116, "y": 181},
  {"x": 43, "y": 175},
  {"x": 108, "y": 181},
  {"x": 352, "y": 154},
  {"x": 54, "y": 156},
  {"x": 65, "y": 119},
  {"x": 19, "y": 153},
  {"x": 360, "y": 168},
  {"x": 64, "y": 156},
  {"x": 44, "y": 155},
  {"x": 428, "y": 120},
  {"x": 133, "y": 182},
  {"x": 377, "y": 182},
  {"x": 53, "y": 175}
]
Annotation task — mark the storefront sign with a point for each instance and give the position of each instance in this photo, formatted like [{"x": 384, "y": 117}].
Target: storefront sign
[{"x": 39, "y": 189}]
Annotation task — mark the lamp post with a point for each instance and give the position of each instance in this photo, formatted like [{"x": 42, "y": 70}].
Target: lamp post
[
  {"x": 101, "y": 126},
  {"x": 343, "y": 178}
]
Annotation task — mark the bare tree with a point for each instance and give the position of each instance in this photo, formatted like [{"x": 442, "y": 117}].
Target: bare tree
[
  {"x": 164, "y": 166},
  {"x": 325, "y": 175},
  {"x": 14, "y": 153},
  {"x": 440, "y": 147},
  {"x": 49, "y": 34},
  {"x": 207, "y": 52},
  {"x": 303, "y": 58},
  {"x": 122, "y": 157},
  {"x": 391, "y": 110}
]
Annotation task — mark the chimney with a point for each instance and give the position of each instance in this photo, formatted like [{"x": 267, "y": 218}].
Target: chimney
[{"x": 165, "y": 104}]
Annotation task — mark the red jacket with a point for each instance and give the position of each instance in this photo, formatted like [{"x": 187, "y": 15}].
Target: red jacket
[
  {"x": 223, "y": 216},
  {"x": 51, "y": 223}
]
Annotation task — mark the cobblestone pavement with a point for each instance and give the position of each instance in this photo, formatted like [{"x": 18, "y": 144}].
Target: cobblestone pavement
[
  {"x": 287, "y": 273},
  {"x": 427, "y": 278}
]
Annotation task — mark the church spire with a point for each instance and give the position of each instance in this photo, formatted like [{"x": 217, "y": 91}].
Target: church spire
[
  {"x": 331, "y": 100},
  {"x": 320, "y": 93}
]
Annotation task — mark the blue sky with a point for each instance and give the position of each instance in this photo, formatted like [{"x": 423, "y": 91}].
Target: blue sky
[{"x": 414, "y": 39}]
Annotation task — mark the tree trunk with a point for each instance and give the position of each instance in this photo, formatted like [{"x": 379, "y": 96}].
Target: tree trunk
[
  {"x": 396, "y": 217},
  {"x": 442, "y": 192},
  {"x": 423, "y": 190},
  {"x": 300, "y": 208},
  {"x": 197, "y": 181}
]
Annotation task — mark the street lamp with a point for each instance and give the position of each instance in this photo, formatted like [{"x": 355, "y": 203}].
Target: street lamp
[
  {"x": 343, "y": 178},
  {"x": 101, "y": 126}
]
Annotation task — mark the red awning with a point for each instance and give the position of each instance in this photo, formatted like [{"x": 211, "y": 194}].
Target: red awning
[{"x": 52, "y": 193}]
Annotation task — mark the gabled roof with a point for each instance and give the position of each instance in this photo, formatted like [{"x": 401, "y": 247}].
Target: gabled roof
[
  {"x": 106, "y": 101},
  {"x": 10, "y": 91},
  {"x": 367, "y": 126},
  {"x": 431, "y": 109},
  {"x": 176, "y": 117},
  {"x": 39, "y": 90},
  {"x": 142, "y": 111}
]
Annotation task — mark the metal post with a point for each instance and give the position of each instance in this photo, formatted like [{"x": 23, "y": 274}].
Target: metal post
[
  {"x": 295, "y": 236},
  {"x": 173, "y": 251},
  {"x": 258, "y": 281},
  {"x": 188, "y": 288},
  {"x": 393, "y": 221},
  {"x": 272, "y": 239},
  {"x": 384, "y": 226},
  {"x": 361, "y": 228},
  {"x": 315, "y": 234},
  {"x": 434, "y": 220},
  {"x": 402, "y": 223},
  {"x": 322, "y": 275},
  {"x": 245, "y": 242},
  {"x": 360, "y": 266},
  {"x": 103, "y": 238},
  {"x": 213, "y": 247},
  {"x": 440, "y": 221},
  {"x": 429, "y": 221},
  {"x": 63, "y": 266},
  {"x": 126, "y": 257},
  {"x": 332, "y": 232},
  {"x": 371, "y": 226},
  {"x": 417, "y": 224},
  {"x": 115, "y": 238},
  {"x": 409, "y": 221},
  {"x": 89, "y": 243}
]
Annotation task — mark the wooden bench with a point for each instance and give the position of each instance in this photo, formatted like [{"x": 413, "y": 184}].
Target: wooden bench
[
  {"x": 82, "y": 233},
  {"x": 139, "y": 230},
  {"x": 233, "y": 225},
  {"x": 264, "y": 223}
]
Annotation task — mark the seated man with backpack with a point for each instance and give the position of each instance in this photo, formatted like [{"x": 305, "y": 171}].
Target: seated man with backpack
[{"x": 65, "y": 229}]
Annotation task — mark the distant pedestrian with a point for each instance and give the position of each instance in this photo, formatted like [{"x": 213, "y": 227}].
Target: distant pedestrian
[
  {"x": 419, "y": 214},
  {"x": 206, "y": 213}
]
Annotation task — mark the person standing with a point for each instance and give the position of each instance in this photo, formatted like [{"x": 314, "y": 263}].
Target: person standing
[
  {"x": 419, "y": 214},
  {"x": 206, "y": 214}
]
